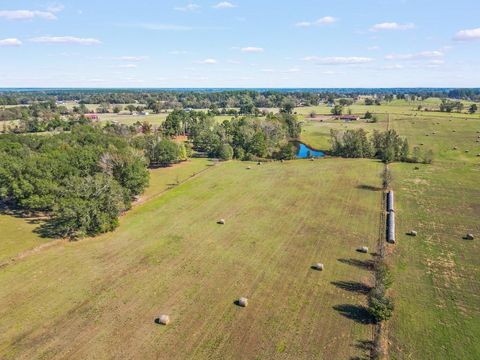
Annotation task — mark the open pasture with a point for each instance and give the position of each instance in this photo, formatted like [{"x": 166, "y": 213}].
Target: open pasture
[{"x": 99, "y": 297}]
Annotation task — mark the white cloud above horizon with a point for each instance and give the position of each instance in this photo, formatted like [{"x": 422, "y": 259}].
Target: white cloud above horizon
[
  {"x": 338, "y": 60},
  {"x": 416, "y": 56},
  {"x": 10, "y": 42},
  {"x": 224, "y": 5},
  {"x": 209, "y": 61},
  {"x": 27, "y": 15},
  {"x": 392, "y": 26},
  {"x": 188, "y": 7},
  {"x": 252, "y": 49},
  {"x": 65, "y": 40},
  {"x": 326, "y": 20},
  {"x": 467, "y": 35}
]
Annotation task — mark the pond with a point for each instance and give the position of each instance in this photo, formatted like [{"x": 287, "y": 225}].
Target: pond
[{"x": 305, "y": 152}]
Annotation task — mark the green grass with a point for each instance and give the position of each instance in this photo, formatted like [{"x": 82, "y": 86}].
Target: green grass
[
  {"x": 98, "y": 297},
  {"x": 19, "y": 233}
]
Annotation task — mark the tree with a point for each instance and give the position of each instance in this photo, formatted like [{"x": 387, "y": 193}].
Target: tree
[
  {"x": 117, "y": 109},
  {"x": 337, "y": 110},
  {"x": 387, "y": 177},
  {"x": 130, "y": 108},
  {"x": 473, "y": 109},
  {"x": 288, "y": 105},
  {"x": 87, "y": 206},
  {"x": 380, "y": 306},
  {"x": 225, "y": 152},
  {"x": 368, "y": 115}
]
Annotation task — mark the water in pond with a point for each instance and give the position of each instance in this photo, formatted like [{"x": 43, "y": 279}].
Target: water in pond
[{"x": 305, "y": 152}]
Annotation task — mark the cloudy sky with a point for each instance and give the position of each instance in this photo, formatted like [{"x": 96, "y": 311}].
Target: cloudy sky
[{"x": 240, "y": 43}]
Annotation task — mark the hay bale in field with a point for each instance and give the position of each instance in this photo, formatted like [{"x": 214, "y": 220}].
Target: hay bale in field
[
  {"x": 467, "y": 151},
  {"x": 243, "y": 302},
  {"x": 421, "y": 144},
  {"x": 412, "y": 233},
  {"x": 469, "y": 237},
  {"x": 416, "y": 168},
  {"x": 312, "y": 159},
  {"x": 478, "y": 154},
  {"x": 163, "y": 319},
  {"x": 363, "y": 249},
  {"x": 249, "y": 167},
  {"x": 455, "y": 148},
  {"x": 318, "y": 266},
  {"x": 454, "y": 130},
  {"x": 282, "y": 161},
  {"x": 221, "y": 222}
]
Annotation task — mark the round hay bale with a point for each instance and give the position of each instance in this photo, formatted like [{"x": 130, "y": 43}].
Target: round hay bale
[
  {"x": 221, "y": 222},
  {"x": 318, "y": 266},
  {"x": 455, "y": 148},
  {"x": 249, "y": 167},
  {"x": 467, "y": 151},
  {"x": 363, "y": 249},
  {"x": 454, "y": 130},
  {"x": 243, "y": 302},
  {"x": 478, "y": 154},
  {"x": 259, "y": 163},
  {"x": 412, "y": 233},
  {"x": 469, "y": 237},
  {"x": 416, "y": 168},
  {"x": 164, "y": 319},
  {"x": 312, "y": 159}
]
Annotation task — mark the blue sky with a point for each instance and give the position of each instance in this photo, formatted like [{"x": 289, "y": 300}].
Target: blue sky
[{"x": 240, "y": 43}]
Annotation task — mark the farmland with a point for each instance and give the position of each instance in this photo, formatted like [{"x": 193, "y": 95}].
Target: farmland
[
  {"x": 99, "y": 297},
  {"x": 111, "y": 288}
]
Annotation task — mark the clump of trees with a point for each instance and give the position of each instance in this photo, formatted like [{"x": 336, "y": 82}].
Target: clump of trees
[
  {"x": 242, "y": 138},
  {"x": 387, "y": 146},
  {"x": 448, "y": 106},
  {"x": 380, "y": 306},
  {"x": 83, "y": 179}
]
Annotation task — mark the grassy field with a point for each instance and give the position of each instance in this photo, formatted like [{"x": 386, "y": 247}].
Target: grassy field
[
  {"x": 437, "y": 290},
  {"x": 98, "y": 298},
  {"x": 20, "y": 235}
]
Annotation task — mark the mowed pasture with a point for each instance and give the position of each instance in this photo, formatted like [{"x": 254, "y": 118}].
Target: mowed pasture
[
  {"x": 20, "y": 233},
  {"x": 437, "y": 287},
  {"x": 98, "y": 298}
]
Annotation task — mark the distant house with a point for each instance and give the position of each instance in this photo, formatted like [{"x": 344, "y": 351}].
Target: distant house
[
  {"x": 347, "y": 118},
  {"x": 144, "y": 113},
  {"x": 91, "y": 116}
]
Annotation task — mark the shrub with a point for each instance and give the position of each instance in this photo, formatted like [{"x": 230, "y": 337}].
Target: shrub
[{"x": 225, "y": 152}]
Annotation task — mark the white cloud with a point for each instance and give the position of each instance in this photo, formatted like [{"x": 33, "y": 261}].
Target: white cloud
[
  {"x": 65, "y": 40},
  {"x": 224, "y": 5},
  {"x": 326, "y": 20},
  {"x": 416, "y": 56},
  {"x": 373, "y": 48},
  {"x": 393, "y": 67},
  {"x": 467, "y": 35},
  {"x": 208, "y": 62},
  {"x": 10, "y": 42},
  {"x": 55, "y": 7},
  {"x": 267, "y": 70},
  {"x": 293, "y": 70},
  {"x": 27, "y": 15},
  {"x": 252, "y": 49},
  {"x": 188, "y": 7},
  {"x": 392, "y": 26},
  {"x": 133, "y": 58},
  {"x": 339, "y": 60},
  {"x": 128, "y": 66},
  {"x": 178, "y": 52}
]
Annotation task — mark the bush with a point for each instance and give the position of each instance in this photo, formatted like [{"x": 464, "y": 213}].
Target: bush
[
  {"x": 380, "y": 306},
  {"x": 225, "y": 152}
]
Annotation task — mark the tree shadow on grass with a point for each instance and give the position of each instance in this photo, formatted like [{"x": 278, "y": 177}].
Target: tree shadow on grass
[
  {"x": 49, "y": 229},
  {"x": 352, "y": 286},
  {"x": 362, "y": 264},
  {"x": 356, "y": 313},
  {"x": 369, "y": 187}
]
